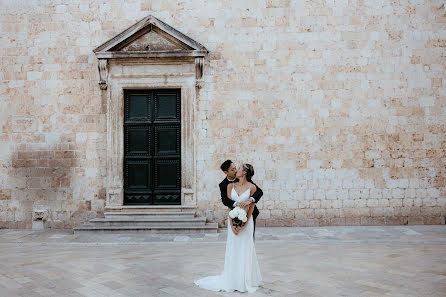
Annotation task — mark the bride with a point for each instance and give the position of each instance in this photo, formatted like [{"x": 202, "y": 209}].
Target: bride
[{"x": 241, "y": 270}]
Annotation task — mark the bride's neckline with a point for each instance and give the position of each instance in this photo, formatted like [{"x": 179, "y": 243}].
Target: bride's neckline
[{"x": 241, "y": 193}]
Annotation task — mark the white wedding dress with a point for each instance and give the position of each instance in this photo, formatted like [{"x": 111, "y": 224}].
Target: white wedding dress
[{"x": 241, "y": 271}]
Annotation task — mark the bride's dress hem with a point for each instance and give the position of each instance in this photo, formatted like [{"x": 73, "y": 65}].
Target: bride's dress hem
[{"x": 248, "y": 289}]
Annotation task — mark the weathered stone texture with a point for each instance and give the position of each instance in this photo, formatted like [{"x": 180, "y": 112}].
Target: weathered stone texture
[{"x": 339, "y": 105}]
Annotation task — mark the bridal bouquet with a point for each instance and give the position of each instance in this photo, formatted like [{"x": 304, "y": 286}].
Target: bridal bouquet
[{"x": 238, "y": 216}]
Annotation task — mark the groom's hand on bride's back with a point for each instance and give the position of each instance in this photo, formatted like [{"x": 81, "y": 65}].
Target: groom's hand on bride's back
[{"x": 243, "y": 204}]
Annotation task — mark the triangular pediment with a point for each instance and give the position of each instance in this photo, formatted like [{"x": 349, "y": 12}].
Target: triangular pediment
[
  {"x": 154, "y": 41},
  {"x": 150, "y": 36}
]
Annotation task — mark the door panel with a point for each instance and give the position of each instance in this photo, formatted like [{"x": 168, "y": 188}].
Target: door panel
[
  {"x": 167, "y": 106},
  {"x": 138, "y": 173},
  {"x": 167, "y": 174},
  {"x": 167, "y": 140},
  {"x": 152, "y": 147},
  {"x": 138, "y": 140},
  {"x": 138, "y": 107}
]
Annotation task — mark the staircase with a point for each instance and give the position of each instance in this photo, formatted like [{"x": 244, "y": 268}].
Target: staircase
[{"x": 155, "y": 219}]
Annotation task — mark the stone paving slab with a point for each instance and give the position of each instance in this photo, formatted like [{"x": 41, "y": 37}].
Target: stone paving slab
[
  {"x": 318, "y": 261},
  {"x": 344, "y": 233}
]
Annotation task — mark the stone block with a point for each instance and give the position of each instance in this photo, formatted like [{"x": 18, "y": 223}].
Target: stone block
[
  {"x": 352, "y": 221},
  {"x": 370, "y": 221},
  {"x": 5, "y": 194},
  {"x": 332, "y": 222},
  {"x": 304, "y": 214},
  {"x": 437, "y": 220},
  {"x": 337, "y": 204},
  {"x": 348, "y": 203},
  {"x": 315, "y": 204},
  {"x": 34, "y": 75},
  {"x": 307, "y": 223},
  {"x": 431, "y": 211},
  {"x": 413, "y": 220},
  {"x": 394, "y": 220},
  {"x": 373, "y": 202}
]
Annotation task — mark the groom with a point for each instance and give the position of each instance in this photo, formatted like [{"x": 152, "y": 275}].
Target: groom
[{"x": 229, "y": 169}]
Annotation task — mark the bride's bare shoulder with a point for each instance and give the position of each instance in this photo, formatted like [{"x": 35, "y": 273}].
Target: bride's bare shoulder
[{"x": 252, "y": 188}]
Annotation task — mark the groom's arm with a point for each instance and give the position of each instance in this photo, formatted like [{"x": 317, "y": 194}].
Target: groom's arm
[
  {"x": 224, "y": 197},
  {"x": 257, "y": 194}
]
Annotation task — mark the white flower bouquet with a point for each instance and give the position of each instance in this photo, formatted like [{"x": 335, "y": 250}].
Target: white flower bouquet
[{"x": 238, "y": 216}]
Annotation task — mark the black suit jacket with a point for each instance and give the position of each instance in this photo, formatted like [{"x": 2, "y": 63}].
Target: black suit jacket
[{"x": 230, "y": 203}]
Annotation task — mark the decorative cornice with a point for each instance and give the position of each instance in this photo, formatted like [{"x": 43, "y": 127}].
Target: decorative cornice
[
  {"x": 150, "y": 54},
  {"x": 186, "y": 49}
]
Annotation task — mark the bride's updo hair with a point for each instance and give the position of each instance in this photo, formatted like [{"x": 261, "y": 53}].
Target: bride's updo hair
[{"x": 249, "y": 171}]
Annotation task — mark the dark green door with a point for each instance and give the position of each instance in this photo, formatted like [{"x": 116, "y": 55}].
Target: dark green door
[{"x": 152, "y": 148}]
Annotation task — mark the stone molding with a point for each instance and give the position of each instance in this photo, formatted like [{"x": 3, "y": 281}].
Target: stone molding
[
  {"x": 187, "y": 48},
  {"x": 122, "y": 65}
]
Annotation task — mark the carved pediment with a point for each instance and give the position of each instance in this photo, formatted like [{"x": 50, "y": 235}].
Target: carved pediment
[
  {"x": 150, "y": 37},
  {"x": 154, "y": 41}
]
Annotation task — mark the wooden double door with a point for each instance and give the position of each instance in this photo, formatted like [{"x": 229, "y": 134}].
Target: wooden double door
[{"x": 152, "y": 147}]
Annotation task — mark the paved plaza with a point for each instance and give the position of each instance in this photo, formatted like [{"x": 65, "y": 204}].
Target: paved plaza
[{"x": 321, "y": 261}]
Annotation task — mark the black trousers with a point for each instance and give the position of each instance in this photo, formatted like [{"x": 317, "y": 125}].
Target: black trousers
[{"x": 254, "y": 233}]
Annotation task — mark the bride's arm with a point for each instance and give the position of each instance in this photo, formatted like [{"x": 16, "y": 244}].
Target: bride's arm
[
  {"x": 251, "y": 207},
  {"x": 231, "y": 204}
]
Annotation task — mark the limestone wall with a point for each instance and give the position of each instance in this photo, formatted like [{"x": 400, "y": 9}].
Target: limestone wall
[{"x": 339, "y": 105}]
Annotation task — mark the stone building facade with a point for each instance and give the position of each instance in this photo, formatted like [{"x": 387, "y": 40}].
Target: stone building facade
[{"x": 339, "y": 105}]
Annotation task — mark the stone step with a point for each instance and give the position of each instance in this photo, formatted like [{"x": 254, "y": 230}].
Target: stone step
[
  {"x": 178, "y": 229},
  {"x": 150, "y": 208},
  {"x": 158, "y": 221},
  {"x": 177, "y": 219},
  {"x": 148, "y": 214}
]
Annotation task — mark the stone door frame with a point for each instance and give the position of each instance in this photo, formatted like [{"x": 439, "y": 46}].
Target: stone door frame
[{"x": 161, "y": 69}]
